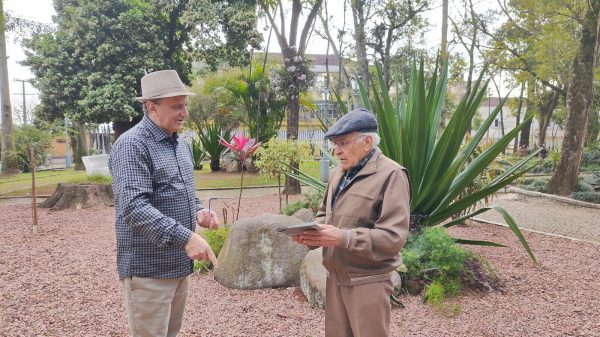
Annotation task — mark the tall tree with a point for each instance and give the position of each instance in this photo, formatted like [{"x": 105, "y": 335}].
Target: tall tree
[
  {"x": 444, "y": 42},
  {"x": 295, "y": 63},
  {"x": 579, "y": 101},
  {"x": 534, "y": 42},
  {"x": 102, "y": 70},
  {"x": 338, "y": 46},
  {"x": 361, "y": 13},
  {"x": 9, "y": 158},
  {"x": 398, "y": 23},
  {"x": 88, "y": 69}
]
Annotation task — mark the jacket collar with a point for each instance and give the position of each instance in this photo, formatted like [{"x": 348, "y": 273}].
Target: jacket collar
[{"x": 369, "y": 168}]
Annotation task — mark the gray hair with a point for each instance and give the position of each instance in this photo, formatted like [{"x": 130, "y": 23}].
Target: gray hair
[
  {"x": 374, "y": 136},
  {"x": 145, "y": 107}
]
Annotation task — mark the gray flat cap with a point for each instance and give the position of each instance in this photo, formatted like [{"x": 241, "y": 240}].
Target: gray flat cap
[{"x": 359, "y": 120}]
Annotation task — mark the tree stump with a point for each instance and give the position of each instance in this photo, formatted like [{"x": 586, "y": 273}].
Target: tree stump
[{"x": 67, "y": 196}]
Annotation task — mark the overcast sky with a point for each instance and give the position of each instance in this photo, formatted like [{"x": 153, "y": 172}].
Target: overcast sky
[{"x": 42, "y": 11}]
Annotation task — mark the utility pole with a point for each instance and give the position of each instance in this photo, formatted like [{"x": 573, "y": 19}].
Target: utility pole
[{"x": 24, "y": 94}]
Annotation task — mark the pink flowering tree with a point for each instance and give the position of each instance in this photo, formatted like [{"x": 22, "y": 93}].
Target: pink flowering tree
[{"x": 242, "y": 147}]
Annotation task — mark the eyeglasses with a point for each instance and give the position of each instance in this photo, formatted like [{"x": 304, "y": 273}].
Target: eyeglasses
[{"x": 344, "y": 143}]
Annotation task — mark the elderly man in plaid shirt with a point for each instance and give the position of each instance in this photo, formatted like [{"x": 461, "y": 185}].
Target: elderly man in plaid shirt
[{"x": 157, "y": 210}]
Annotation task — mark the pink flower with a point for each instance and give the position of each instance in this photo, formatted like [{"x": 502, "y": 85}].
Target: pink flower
[{"x": 241, "y": 146}]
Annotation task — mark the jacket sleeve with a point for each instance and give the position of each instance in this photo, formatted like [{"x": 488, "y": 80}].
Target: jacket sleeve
[
  {"x": 132, "y": 185},
  {"x": 390, "y": 231},
  {"x": 320, "y": 217}
]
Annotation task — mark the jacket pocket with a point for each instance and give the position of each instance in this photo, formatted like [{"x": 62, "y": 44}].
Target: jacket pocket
[
  {"x": 358, "y": 279},
  {"x": 357, "y": 210}
]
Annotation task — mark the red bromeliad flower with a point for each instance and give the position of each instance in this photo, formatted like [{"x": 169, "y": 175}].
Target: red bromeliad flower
[{"x": 242, "y": 146}]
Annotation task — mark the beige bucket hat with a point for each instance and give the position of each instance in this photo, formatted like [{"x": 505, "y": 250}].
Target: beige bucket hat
[{"x": 161, "y": 84}]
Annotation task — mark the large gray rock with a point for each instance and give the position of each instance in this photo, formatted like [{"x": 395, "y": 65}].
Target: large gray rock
[
  {"x": 229, "y": 163},
  {"x": 255, "y": 255},
  {"x": 304, "y": 214},
  {"x": 313, "y": 278}
]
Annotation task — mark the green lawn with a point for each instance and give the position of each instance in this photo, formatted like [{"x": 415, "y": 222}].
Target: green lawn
[{"x": 46, "y": 181}]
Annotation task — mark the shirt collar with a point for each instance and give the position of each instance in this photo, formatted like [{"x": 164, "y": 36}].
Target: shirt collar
[{"x": 156, "y": 132}]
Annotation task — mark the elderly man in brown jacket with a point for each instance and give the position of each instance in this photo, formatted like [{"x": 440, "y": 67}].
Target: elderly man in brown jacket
[{"x": 364, "y": 220}]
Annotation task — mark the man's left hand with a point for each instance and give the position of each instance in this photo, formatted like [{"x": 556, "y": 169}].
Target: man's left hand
[
  {"x": 325, "y": 236},
  {"x": 207, "y": 219}
]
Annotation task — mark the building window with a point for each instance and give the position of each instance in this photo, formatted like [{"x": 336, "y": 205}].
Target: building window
[{"x": 495, "y": 123}]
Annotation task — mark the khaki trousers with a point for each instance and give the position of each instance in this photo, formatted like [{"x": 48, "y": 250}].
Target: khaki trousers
[
  {"x": 358, "y": 311},
  {"x": 155, "y": 306}
]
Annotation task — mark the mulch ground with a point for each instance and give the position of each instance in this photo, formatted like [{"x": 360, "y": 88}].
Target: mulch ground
[{"x": 63, "y": 282}]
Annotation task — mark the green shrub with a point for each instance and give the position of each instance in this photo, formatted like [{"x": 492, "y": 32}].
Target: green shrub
[
  {"x": 313, "y": 200},
  {"x": 528, "y": 181},
  {"x": 94, "y": 179},
  {"x": 590, "y": 196},
  {"x": 543, "y": 165},
  {"x": 216, "y": 239},
  {"x": 594, "y": 180},
  {"x": 583, "y": 187},
  {"x": 292, "y": 208},
  {"x": 538, "y": 185},
  {"x": 438, "y": 266},
  {"x": 591, "y": 154},
  {"x": 39, "y": 137},
  {"x": 433, "y": 255}
]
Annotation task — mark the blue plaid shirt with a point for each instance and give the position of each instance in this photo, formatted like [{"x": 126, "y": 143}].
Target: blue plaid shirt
[{"x": 155, "y": 202}]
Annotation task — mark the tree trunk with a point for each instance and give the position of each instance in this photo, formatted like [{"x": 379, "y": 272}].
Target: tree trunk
[
  {"x": 547, "y": 106},
  {"x": 519, "y": 117},
  {"x": 444, "y": 46},
  {"x": 579, "y": 101},
  {"x": 292, "y": 186},
  {"x": 10, "y": 164},
  {"x": 215, "y": 164},
  {"x": 79, "y": 196},
  {"x": 119, "y": 127},
  {"x": 358, "y": 8},
  {"x": 526, "y": 131},
  {"x": 78, "y": 142}
]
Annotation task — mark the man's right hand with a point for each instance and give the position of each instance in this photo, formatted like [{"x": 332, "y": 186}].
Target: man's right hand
[{"x": 198, "y": 249}]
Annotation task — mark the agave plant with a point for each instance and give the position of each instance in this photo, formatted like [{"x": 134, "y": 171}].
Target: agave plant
[
  {"x": 198, "y": 154},
  {"x": 440, "y": 163},
  {"x": 210, "y": 136}
]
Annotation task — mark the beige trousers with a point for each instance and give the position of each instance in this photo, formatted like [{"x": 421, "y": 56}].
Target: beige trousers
[
  {"x": 155, "y": 306},
  {"x": 358, "y": 311}
]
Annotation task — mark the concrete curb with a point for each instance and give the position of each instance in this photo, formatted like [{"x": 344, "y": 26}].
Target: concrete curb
[
  {"x": 534, "y": 231},
  {"x": 553, "y": 197}
]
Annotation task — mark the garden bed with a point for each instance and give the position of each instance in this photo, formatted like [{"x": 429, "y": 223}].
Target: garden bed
[{"x": 63, "y": 283}]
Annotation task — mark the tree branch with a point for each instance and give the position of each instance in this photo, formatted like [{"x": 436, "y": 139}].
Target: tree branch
[
  {"x": 281, "y": 38},
  {"x": 309, "y": 22}
]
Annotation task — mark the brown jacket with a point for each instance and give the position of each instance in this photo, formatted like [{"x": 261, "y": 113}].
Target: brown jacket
[{"x": 373, "y": 212}]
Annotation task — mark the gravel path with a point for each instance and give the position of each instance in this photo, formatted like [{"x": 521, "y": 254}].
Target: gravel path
[
  {"x": 548, "y": 216},
  {"x": 63, "y": 282}
]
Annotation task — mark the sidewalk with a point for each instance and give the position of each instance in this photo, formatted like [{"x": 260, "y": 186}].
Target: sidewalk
[{"x": 547, "y": 216}]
